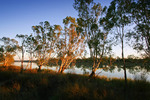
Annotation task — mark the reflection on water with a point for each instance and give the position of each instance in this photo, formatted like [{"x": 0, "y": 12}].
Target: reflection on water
[{"x": 110, "y": 72}]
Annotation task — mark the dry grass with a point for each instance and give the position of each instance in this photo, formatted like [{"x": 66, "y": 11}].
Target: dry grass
[{"x": 49, "y": 85}]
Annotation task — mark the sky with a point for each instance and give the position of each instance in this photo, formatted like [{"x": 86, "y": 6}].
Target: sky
[{"x": 18, "y": 16}]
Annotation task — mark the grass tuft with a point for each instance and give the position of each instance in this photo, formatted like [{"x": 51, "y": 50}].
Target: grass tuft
[{"x": 49, "y": 85}]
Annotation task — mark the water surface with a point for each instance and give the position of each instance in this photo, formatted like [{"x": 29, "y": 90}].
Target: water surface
[{"x": 110, "y": 72}]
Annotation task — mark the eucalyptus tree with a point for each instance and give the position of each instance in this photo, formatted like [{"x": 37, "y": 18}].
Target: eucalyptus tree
[
  {"x": 71, "y": 43},
  {"x": 31, "y": 45},
  {"x": 52, "y": 40},
  {"x": 46, "y": 37},
  {"x": 22, "y": 47},
  {"x": 140, "y": 10},
  {"x": 88, "y": 13},
  {"x": 8, "y": 50},
  {"x": 101, "y": 40},
  {"x": 101, "y": 46},
  {"x": 89, "y": 17},
  {"x": 117, "y": 19}
]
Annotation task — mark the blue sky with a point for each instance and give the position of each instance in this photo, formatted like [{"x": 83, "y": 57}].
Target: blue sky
[{"x": 18, "y": 16}]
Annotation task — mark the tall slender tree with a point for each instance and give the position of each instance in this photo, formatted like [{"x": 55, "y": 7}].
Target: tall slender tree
[
  {"x": 31, "y": 45},
  {"x": 117, "y": 19},
  {"x": 22, "y": 48},
  {"x": 100, "y": 39},
  {"x": 88, "y": 13},
  {"x": 71, "y": 43},
  {"x": 101, "y": 46}
]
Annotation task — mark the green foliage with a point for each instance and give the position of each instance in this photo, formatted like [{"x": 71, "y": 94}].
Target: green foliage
[
  {"x": 97, "y": 40},
  {"x": 82, "y": 6},
  {"x": 8, "y": 50},
  {"x": 71, "y": 43},
  {"x": 89, "y": 13},
  {"x": 31, "y": 45},
  {"x": 118, "y": 17},
  {"x": 140, "y": 16},
  {"x": 43, "y": 44},
  {"x": 23, "y": 43}
]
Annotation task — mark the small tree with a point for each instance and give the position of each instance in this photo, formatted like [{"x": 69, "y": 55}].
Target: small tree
[
  {"x": 46, "y": 37},
  {"x": 31, "y": 45},
  {"x": 22, "y": 47},
  {"x": 8, "y": 50},
  {"x": 101, "y": 46},
  {"x": 88, "y": 13},
  {"x": 117, "y": 19},
  {"x": 71, "y": 44}
]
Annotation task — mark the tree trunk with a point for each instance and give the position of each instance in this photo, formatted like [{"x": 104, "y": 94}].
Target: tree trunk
[
  {"x": 22, "y": 59},
  {"x": 124, "y": 67},
  {"x": 40, "y": 67},
  {"x": 60, "y": 68},
  {"x": 92, "y": 75},
  {"x": 31, "y": 65},
  {"x": 91, "y": 54},
  {"x": 5, "y": 64},
  {"x": 31, "y": 62},
  {"x": 21, "y": 66}
]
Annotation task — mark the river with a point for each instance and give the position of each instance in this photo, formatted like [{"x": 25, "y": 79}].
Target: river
[{"x": 135, "y": 72}]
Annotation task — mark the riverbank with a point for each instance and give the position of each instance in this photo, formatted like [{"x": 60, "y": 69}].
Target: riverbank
[{"x": 49, "y": 85}]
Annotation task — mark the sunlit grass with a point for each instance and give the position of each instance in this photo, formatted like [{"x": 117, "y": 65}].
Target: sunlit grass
[{"x": 49, "y": 85}]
